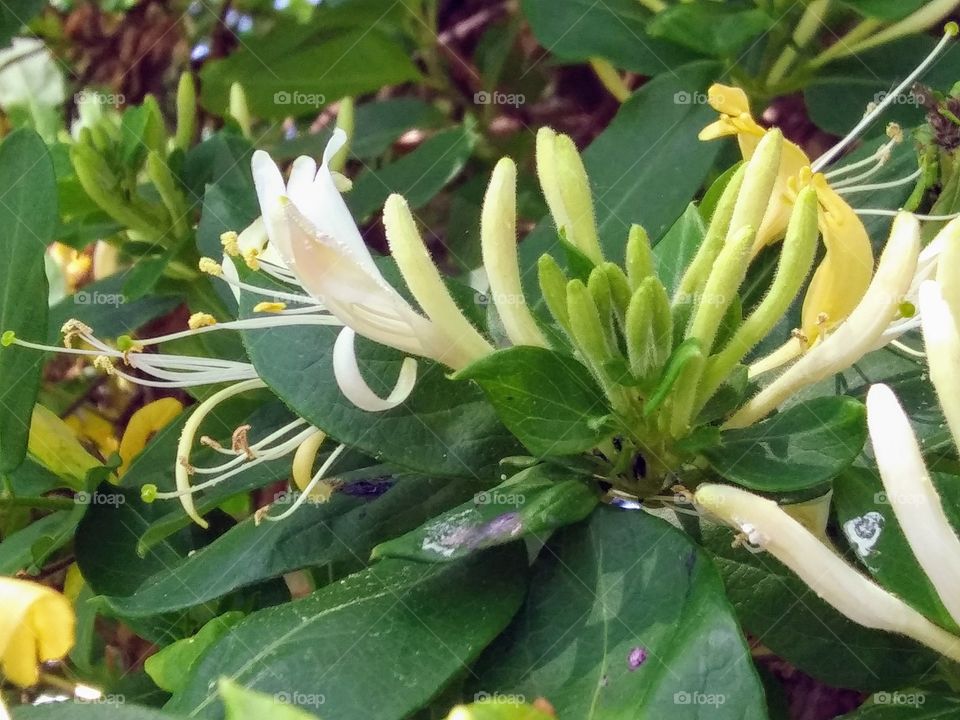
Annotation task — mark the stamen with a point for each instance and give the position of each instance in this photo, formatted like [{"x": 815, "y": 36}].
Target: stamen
[
  {"x": 240, "y": 443},
  {"x": 210, "y": 267},
  {"x": 269, "y": 307},
  {"x": 305, "y": 495},
  {"x": 845, "y": 189},
  {"x": 870, "y": 117},
  {"x": 881, "y": 156},
  {"x": 229, "y": 242},
  {"x": 894, "y": 213}
]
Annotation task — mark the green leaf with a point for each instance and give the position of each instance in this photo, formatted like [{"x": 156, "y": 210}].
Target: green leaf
[
  {"x": 785, "y": 615},
  {"x": 14, "y": 14},
  {"x": 614, "y": 29},
  {"x": 533, "y": 503},
  {"x": 16, "y": 550},
  {"x": 626, "y": 618},
  {"x": 312, "y": 537},
  {"x": 907, "y": 705},
  {"x": 549, "y": 400},
  {"x": 799, "y": 448},
  {"x": 170, "y": 667},
  {"x": 716, "y": 29},
  {"x": 676, "y": 249},
  {"x": 418, "y": 176},
  {"x": 242, "y": 704},
  {"x": 347, "y": 64},
  {"x": 870, "y": 526},
  {"x": 411, "y": 626},
  {"x": 28, "y": 216}
]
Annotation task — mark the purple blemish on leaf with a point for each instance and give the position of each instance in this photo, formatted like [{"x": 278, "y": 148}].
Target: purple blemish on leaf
[
  {"x": 375, "y": 487},
  {"x": 636, "y": 658}
]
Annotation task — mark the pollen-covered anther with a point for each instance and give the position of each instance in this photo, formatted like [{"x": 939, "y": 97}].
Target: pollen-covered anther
[
  {"x": 822, "y": 319},
  {"x": 269, "y": 307},
  {"x": 260, "y": 514},
  {"x": 201, "y": 319},
  {"x": 229, "y": 242},
  {"x": 798, "y": 334},
  {"x": 104, "y": 364},
  {"x": 895, "y": 132},
  {"x": 210, "y": 267},
  {"x": 73, "y": 329},
  {"x": 210, "y": 442},
  {"x": 185, "y": 464},
  {"x": 240, "y": 442},
  {"x": 251, "y": 257}
]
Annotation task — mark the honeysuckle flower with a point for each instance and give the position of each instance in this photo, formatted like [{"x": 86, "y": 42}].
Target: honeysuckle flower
[
  {"x": 36, "y": 626},
  {"x": 912, "y": 495},
  {"x": 844, "y": 274},
  {"x": 767, "y": 526},
  {"x": 857, "y": 335}
]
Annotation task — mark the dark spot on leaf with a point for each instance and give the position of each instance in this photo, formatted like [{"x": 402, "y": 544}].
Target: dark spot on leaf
[{"x": 636, "y": 658}]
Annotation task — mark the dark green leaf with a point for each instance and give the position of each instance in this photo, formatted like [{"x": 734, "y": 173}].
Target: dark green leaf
[
  {"x": 534, "y": 502},
  {"x": 799, "y": 448},
  {"x": 549, "y": 400},
  {"x": 410, "y": 626},
  {"x": 626, "y": 618},
  {"x": 417, "y": 176},
  {"x": 116, "y": 710},
  {"x": 28, "y": 216},
  {"x": 676, "y": 249},
  {"x": 713, "y": 28},
  {"x": 613, "y": 29},
  {"x": 312, "y": 537},
  {"x": 14, "y": 14}
]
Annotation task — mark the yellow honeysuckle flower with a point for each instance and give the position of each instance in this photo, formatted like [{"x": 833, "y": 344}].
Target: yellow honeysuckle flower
[
  {"x": 36, "y": 626},
  {"x": 89, "y": 425},
  {"x": 146, "y": 421},
  {"x": 845, "y": 272}
]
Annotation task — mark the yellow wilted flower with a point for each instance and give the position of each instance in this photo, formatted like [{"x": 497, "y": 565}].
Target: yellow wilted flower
[
  {"x": 36, "y": 626},
  {"x": 845, "y": 272},
  {"x": 146, "y": 421}
]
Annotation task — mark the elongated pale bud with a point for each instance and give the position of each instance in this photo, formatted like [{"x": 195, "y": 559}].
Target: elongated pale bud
[
  {"x": 721, "y": 288},
  {"x": 857, "y": 335},
  {"x": 941, "y": 339},
  {"x": 239, "y": 110},
  {"x": 767, "y": 526},
  {"x": 758, "y": 183},
  {"x": 911, "y": 493},
  {"x": 169, "y": 192},
  {"x": 639, "y": 263},
  {"x": 553, "y": 286},
  {"x": 925, "y": 17},
  {"x": 948, "y": 266},
  {"x": 619, "y": 288},
  {"x": 685, "y": 395},
  {"x": 498, "y": 243},
  {"x": 155, "y": 134},
  {"x": 796, "y": 259},
  {"x": 186, "y": 112},
  {"x": 427, "y": 286},
  {"x": 599, "y": 287},
  {"x": 566, "y": 188},
  {"x": 699, "y": 268},
  {"x": 649, "y": 329},
  {"x": 301, "y": 469},
  {"x": 345, "y": 122},
  {"x": 586, "y": 324}
]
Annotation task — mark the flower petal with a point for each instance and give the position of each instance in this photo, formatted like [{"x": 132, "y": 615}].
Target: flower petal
[{"x": 355, "y": 388}]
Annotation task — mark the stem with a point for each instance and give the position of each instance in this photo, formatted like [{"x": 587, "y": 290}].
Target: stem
[{"x": 807, "y": 28}]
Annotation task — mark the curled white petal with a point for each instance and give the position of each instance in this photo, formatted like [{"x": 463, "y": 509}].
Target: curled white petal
[{"x": 355, "y": 388}]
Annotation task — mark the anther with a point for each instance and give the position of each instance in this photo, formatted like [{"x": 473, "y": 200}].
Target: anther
[
  {"x": 210, "y": 267},
  {"x": 229, "y": 242},
  {"x": 201, "y": 319},
  {"x": 240, "y": 442},
  {"x": 270, "y": 307}
]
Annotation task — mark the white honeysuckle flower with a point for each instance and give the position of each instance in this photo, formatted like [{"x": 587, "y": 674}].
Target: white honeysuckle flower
[
  {"x": 857, "y": 335},
  {"x": 911, "y": 493},
  {"x": 768, "y": 526},
  {"x": 941, "y": 338}
]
